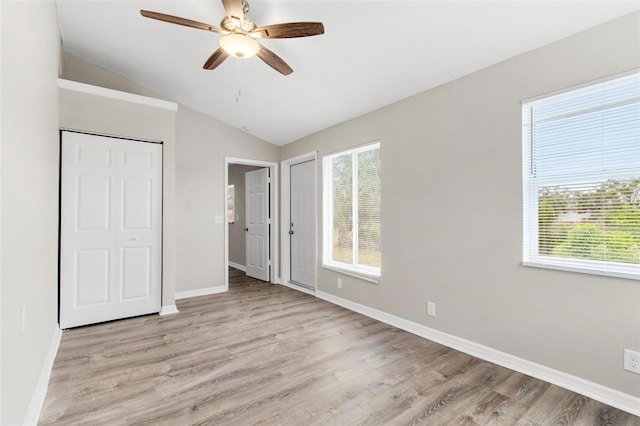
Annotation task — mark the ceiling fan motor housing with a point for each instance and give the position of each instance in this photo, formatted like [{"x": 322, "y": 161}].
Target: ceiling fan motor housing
[{"x": 234, "y": 25}]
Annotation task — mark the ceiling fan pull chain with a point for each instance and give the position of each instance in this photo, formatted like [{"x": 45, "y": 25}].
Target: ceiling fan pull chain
[{"x": 238, "y": 80}]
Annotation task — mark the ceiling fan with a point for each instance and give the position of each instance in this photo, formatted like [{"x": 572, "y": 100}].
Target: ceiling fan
[{"x": 240, "y": 34}]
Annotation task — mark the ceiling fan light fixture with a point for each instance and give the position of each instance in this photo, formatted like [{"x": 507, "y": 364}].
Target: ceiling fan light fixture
[{"x": 239, "y": 45}]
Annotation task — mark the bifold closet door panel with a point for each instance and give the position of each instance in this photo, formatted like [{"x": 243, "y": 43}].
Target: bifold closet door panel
[
  {"x": 111, "y": 228},
  {"x": 139, "y": 236}
]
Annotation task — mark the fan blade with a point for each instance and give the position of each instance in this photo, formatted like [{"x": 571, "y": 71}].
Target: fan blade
[
  {"x": 274, "y": 61},
  {"x": 181, "y": 21},
  {"x": 215, "y": 59},
  {"x": 289, "y": 30},
  {"x": 234, "y": 8}
]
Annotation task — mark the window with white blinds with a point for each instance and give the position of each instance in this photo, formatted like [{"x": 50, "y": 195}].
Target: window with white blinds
[
  {"x": 352, "y": 211},
  {"x": 581, "y": 178}
]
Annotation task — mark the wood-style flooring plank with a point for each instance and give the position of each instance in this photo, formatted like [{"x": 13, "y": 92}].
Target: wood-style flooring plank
[{"x": 264, "y": 354}]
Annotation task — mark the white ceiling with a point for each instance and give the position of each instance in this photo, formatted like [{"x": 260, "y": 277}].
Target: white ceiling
[{"x": 373, "y": 53}]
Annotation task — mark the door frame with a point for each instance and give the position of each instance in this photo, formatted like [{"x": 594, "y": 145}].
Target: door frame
[
  {"x": 273, "y": 201},
  {"x": 285, "y": 218}
]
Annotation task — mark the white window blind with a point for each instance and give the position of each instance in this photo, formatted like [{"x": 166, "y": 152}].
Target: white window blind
[
  {"x": 352, "y": 211},
  {"x": 581, "y": 177}
]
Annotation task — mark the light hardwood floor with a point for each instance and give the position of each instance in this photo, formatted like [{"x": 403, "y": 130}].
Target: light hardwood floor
[{"x": 265, "y": 354}]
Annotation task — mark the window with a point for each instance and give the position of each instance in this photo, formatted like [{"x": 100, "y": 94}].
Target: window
[
  {"x": 581, "y": 178},
  {"x": 352, "y": 211}
]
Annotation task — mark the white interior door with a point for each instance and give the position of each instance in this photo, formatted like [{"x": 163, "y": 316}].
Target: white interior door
[
  {"x": 257, "y": 223},
  {"x": 111, "y": 229},
  {"x": 302, "y": 229}
]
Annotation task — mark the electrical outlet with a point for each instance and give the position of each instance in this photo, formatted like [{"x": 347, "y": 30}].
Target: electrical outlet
[
  {"x": 339, "y": 282},
  {"x": 632, "y": 361},
  {"x": 431, "y": 309}
]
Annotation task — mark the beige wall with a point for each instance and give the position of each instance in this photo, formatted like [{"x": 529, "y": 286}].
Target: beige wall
[
  {"x": 452, "y": 215},
  {"x": 29, "y": 198},
  {"x": 237, "y": 242},
  {"x": 203, "y": 144},
  {"x": 77, "y": 69}
]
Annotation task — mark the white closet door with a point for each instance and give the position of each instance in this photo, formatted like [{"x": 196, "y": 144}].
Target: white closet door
[{"x": 111, "y": 229}]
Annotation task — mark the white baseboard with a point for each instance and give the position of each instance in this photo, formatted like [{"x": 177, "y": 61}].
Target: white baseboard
[
  {"x": 199, "y": 292},
  {"x": 237, "y": 266},
  {"x": 169, "y": 309},
  {"x": 584, "y": 387},
  {"x": 40, "y": 392},
  {"x": 299, "y": 288}
]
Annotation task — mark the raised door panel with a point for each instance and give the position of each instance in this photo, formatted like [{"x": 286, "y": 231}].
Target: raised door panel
[
  {"x": 261, "y": 254},
  {"x": 136, "y": 204},
  {"x": 135, "y": 273},
  {"x": 93, "y": 202},
  {"x": 92, "y": 277},
  {"x": 136, "y": 159},
  {"x": 98, "y": 155}
]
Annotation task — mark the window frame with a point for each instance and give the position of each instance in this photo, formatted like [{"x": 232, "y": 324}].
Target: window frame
[
  {"x": 367, "y": 273},
  {"x": 530, "y": 192}
]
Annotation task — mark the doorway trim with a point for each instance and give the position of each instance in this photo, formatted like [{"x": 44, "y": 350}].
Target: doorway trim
[
  {"x": 285, "y": 166},
  {"x": 274, "y": 233}
]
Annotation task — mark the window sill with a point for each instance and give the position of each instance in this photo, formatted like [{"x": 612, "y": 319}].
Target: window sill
[
  {"x": 356, "y": 274},
  {"x": 583, "y": 269}
]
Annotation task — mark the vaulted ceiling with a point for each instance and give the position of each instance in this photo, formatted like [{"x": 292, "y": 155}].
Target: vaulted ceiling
[{"x": 373, "y": 53}]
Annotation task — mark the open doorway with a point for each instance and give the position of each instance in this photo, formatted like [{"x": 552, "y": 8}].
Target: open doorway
[
  {"x": 241, "y": 231},
  {"x": 237, "y": 214}
]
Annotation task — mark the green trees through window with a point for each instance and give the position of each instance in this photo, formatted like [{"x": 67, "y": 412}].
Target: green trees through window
[
  {"x": 369, "y": 208},
  {"x": 343, "y": 209},
  {"x": 600, "y": 223}
]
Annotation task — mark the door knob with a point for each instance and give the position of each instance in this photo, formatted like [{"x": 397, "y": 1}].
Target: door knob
[
  {"x": 246, "y": 229},
  {"x": 290, "y": 232}
]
